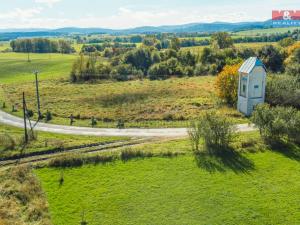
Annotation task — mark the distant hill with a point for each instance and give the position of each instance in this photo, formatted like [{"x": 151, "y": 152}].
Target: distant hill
[{"x": 185, "y": 28}]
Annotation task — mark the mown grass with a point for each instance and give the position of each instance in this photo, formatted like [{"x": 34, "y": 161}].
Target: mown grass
[
  {"x": 269, "y": 31},
  {"x": 172, "y": 102},
  {"x": 14, "y": 67},
  {"x": 4, "y": 45},
  {"x": 46, "y": 141},
  {"x": 254, "y": 45},
  {"x": 247, "y": 188}
]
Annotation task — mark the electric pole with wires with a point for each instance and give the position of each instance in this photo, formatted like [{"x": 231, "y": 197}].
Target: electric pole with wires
[
  {"x": 25, "y": 116},
  {"x": 38, "y": 95}
]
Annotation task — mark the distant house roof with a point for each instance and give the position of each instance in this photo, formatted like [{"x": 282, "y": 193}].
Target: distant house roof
[{"x": 249, "y": 65}]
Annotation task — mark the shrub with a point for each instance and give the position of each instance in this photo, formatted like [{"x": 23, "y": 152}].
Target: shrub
[
  {"x": 93, "y": 122},
  {"x": 216, "y": 130},
  {"x": 293, "y": 67},
  {"x": 48, "y": 116},
  {"x": 30, "y": 113},
  {"x": 277, "y": 123},
  {"x": 286, "y": 42},
  {"x": 283, "y": 90},
  {"x": 121, "y": 124},
  {"x": 272, "y": 57},
  {"x": 227, "y": 84},
  {"x": 168, "y": 117},
  {"x": 195, "y": 134}
]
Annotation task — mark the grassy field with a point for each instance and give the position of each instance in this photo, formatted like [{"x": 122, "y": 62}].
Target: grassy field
[
  {"x": 14, "y": 67},
  {"x": 249, "y": 188},
  {"x": 4, "y": 45},
  {"x": 143, "y": 103},
  {"x": 170, "y": 103},
  {"x": 259, "y": 32},
  {"x": 46, "y": 141},
  {"x": 255, "y": 45}
]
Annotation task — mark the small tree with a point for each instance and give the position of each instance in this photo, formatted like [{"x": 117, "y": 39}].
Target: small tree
[
  {"x": 195, "y": 134},
  {"x": 216, "y": 130},
  {"x": 227, "y": 84},
  {"x": 221, "y": 40}
]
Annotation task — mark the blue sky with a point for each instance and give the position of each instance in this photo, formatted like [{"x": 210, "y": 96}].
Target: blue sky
[{"x": 133, "y": 13}]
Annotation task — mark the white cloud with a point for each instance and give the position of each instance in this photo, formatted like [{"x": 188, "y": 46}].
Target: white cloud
[
  {"x": 49, "y": 3},
  {"x": 130, "y": 16},
  {"x": 18, "y": 13}
]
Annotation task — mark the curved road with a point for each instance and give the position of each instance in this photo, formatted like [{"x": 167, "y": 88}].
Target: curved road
[{"x": 11, "y": 120}]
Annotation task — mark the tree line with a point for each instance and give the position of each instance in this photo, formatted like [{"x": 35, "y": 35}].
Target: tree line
[{"x": 42, "y": 45}]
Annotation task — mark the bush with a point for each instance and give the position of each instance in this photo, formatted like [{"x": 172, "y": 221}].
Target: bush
[
  {"x": 277, "y": 123},
  {"x": 121, "y": 124},
  {"x": 286, "y": 42},
  {"x": 216, "y": 130},
  {"x": 272, "y": 57},
  {"x": 48, "y": 116},
  {"x": 283, "y": 90},
  {"x": 293, "y": 67},
  {"x": 30, "y": 113},
  {"x": 195, "y": 134}
]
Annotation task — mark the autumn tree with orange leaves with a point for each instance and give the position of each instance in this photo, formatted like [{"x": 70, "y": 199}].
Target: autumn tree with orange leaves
[{"x": 227, "y": 84}]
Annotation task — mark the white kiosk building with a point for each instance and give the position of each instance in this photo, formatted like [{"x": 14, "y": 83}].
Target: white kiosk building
[{"x": 252, "y": 85}]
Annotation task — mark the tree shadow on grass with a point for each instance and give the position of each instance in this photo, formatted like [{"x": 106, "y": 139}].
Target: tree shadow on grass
[
  {"x": 224, "y": 160},
  {"x": 287, "y": 149}
]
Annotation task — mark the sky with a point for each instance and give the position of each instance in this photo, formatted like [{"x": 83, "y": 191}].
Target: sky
[{"x": 133, "y": 13}]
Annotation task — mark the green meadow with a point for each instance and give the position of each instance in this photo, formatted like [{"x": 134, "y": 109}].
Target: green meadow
[
  {"x": 247, "y": 188},
  {"x": 15, "y": 68}
]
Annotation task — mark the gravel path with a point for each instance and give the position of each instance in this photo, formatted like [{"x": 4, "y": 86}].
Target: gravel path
[{"x": 11, "y": 120}]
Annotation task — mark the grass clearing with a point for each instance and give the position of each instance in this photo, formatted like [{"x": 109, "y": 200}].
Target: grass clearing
[
  {"x": 144, "y": 103},
  {"x": 14, "y": 67},
  {"x": 48, "y": 141},
  {"x": 256, "y": 188},
  {"x": 4, "y": 45},
  {"x": 269, "y": 31}
]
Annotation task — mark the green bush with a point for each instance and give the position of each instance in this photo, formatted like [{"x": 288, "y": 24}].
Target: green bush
[
  {"x": 48, "y": 116},
  {"x": 216, "y": 131},
  {"x": 277, "y": 123},
  {"x": 283, "y": 90},
  {"x": 195, "y": 134},
  {"x": 272, "y": 57}
]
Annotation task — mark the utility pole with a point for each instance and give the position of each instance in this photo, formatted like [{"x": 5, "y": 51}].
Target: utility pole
[
  {"x": 38, "y": 94},
  {"x": 24, "y": 114}
]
